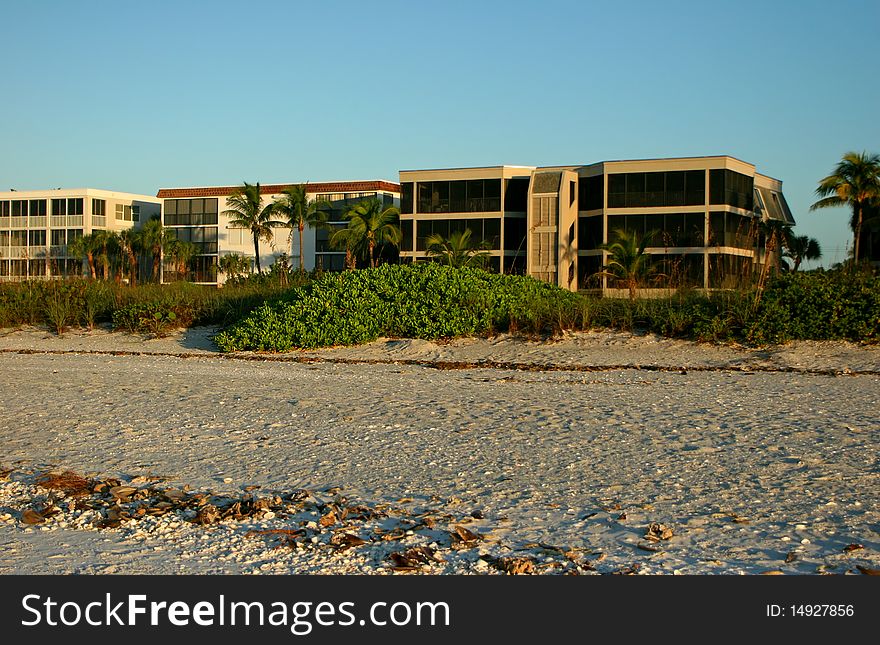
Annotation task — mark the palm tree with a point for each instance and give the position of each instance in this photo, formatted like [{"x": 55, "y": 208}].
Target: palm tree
[
  {"x": 129, "y": 245},
  {"x": 459, "y": 250},
  {"x": 627, "y": 260},
  {"x": 369, "y": 224},
  {"x": 799, "y": 248},
  {"x": 298, "y": 211},
  {"x": 181, "y": 253},
  {"x": 105, "y": 245},
  {"x": 85, "y": 247},
  {"x": 153, "y": 238},
  {"x": 247, "y": 211},
  {"x": 234, "y": 265},
  {"x": 855, "y": 182}
]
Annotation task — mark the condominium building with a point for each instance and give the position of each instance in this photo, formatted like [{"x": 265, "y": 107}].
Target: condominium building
[
  {"x": 37, "y": 226},
  {"x": 700, "y": 215},
  {"x": 199, "y": 215}
]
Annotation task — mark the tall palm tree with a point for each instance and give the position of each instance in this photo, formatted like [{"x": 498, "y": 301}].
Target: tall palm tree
[
  {"x": 247, "y": 211},
  {"x": 84, "y": 247},
  {"x": 370, "y": 224},
  {"x": 799, "y": 248},
  {"x": 457, "y": 251},
  {"x": 105, "y": 246},
  {"x": 298, "y": 211},
  {"x": 129, "y": 246},
  {"x": 180, "y": 253},
  {"x": 855, "y": 182},
  {"x": 627, "y": 260}
]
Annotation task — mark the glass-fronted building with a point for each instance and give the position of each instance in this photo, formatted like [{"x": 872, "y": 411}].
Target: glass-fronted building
[{"x": 701, "y": 217}]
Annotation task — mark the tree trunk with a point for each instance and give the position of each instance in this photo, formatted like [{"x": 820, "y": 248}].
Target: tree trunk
[
  {"x": 858, "y": 234},
  {"x": 257, "y": 251},
  {"x": 372, "y": 244},
  {"x": 797, "y": 264},
  {"x": 132, "y": 270},
  {"x": 302, "y": 266},
  {"x": 156, "y": 260},
  {"x": 93, "y": 272}
]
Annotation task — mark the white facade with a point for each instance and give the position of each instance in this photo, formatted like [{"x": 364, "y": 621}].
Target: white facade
[
  {"x": 199, "y": 215},
  {"x": 37, "y": 225}
]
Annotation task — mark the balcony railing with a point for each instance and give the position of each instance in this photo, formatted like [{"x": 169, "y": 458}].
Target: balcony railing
[
  {"x": 38, "y": 222},
  {"x": 98, "y": 220}
]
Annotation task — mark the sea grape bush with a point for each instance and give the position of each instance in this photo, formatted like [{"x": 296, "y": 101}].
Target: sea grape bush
[{"x": 427, "y": 301}]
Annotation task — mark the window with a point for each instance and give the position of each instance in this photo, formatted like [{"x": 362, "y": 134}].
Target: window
[
  {"x": 4, "y": 209},
  {"x": 38, "y": 208},
  {"x": 19, "y": 208},
  {"x": 125, "y": 213},
  {"x": 591, "y": 189},
  {"x": 406, "y": 231},
  {"x": 515, "y": 234},
  {"x": 73, "y": 234},
  {"x": 99, "y": 208},
  {"x": 649, "y": 189},
  {"x": 37, "y": 238},
  {"x": 120, "y": 213},
  {"x": 406, "y": 197},
  {"x": 590, "y": 232},
  {"x": 488, "y": 230},
  {"x": 572, "y": 192},
  {"x": 59, "y": 207},
  {"x": 185, "y": 212},
  {"x": 468, "y": 196},
  {"x": 136, "y": 213},
  {"x": 516, "y": 194},
  {"x": 75, "y": 206},
  {"x": 731, "y": 188}
]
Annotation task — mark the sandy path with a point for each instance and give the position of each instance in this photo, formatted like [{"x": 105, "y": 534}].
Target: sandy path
[{"x": 583, "y": 460}]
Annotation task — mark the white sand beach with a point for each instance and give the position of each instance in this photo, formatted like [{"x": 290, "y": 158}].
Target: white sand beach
[{"x": 758, "y": 460}]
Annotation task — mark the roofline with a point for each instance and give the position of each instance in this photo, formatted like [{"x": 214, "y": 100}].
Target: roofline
[
  {"x": 48, "y": 193},
  {"x": 502, "y": 166},
  {"x": 270, "y": 189}
]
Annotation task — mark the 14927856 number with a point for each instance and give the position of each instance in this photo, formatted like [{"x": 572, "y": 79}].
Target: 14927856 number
[{"x": 822, "y": 610}]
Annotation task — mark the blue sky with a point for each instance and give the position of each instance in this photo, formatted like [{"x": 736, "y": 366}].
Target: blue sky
[{"x": 139, "y": 96}]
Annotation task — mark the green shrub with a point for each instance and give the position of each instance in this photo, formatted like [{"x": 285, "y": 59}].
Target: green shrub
[
  {"x": 155, "y": 318},
  {"x": 818, "y": 306},
  {"x": 417, "y": 301}
]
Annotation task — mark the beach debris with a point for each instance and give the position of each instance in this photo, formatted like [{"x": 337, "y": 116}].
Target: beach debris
[
  {"x": 30, "y": 516},
  {"x": 285, "y": 537},
  {"x": 463, "y": 538},
  {"x": 515, "y": 566},
  {"x": 657, "y": 532},
  {"x": 868, "y": 571},
  {"x": 68, "y": 482},
  {"x": 343, "y": 541},
  {"x": 328, "y": 519},
  {"x": 414, "y": 559},
  {"x": 5, "y": 473},
  {"x": 853, "y": 547},
  {"x": 773, "y": 572},
  {"x": 791, "y": 557}
]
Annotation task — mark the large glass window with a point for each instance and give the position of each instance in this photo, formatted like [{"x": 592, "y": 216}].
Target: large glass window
[
  {"x": 649, "y": 189},
  {"x": 731, "y": 188},
  {"x": 59, "y": 237},
  {"x": 19, "y": 208},
  {"x": 590, "y": 232},
  {"x": 4, "y": 209},
  {"x": 204, "y": 237},
  {"x": 37, "y": 238},
  {"x": 590, "y": 191},
  {"x": 406, "y": 197},
  {"x": 516, "y": 194},
  {"x": 515, "y": 234},
  {"x": 669, "y": 229},
  {"x": 186, "y": 212},
  {"x": 488, "y": 229},
  {"x": 99, "y": 208},
  {"x": 468, "y": 196},
  {"x": 406, "y": 231},
  {"x": 38, "y": 208}
]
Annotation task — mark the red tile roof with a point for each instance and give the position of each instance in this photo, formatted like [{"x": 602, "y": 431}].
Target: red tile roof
[{"x": 269, "y": 189}]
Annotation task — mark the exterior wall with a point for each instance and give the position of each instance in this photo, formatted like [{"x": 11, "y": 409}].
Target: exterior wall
[
  {"x": 233, "y": 240},
  {"x": 34, "y": 245}
]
